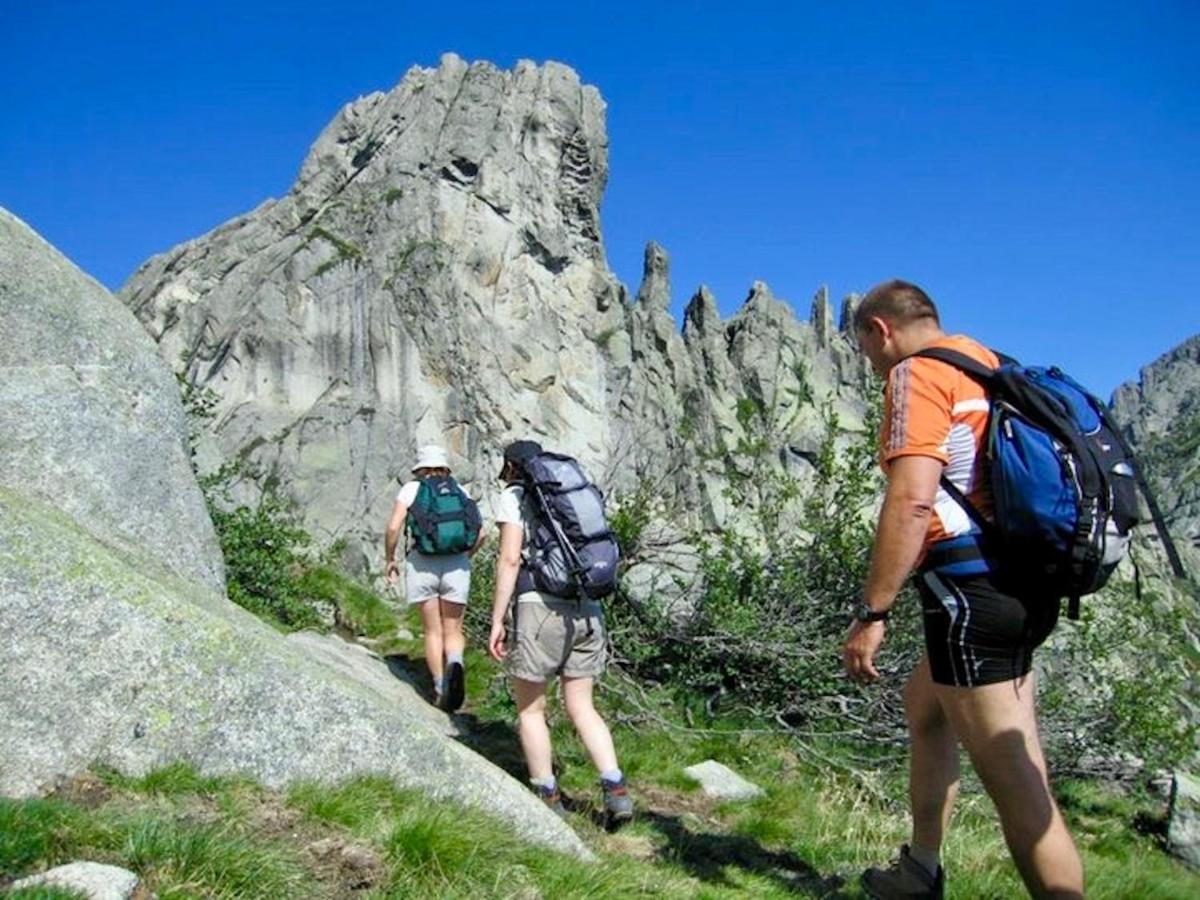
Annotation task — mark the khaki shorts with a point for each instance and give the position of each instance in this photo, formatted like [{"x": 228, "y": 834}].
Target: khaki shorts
[
  {"x": 555, "y": 636},
  {"x": 426, "y": 577}
]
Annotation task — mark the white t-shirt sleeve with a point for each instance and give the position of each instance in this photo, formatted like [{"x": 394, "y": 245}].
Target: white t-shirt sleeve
[
  {"x": 508, "y": 507},
  {"x": 408, "y": 493}
]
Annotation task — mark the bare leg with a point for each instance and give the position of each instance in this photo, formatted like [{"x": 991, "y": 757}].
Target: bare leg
[
  {"x": 997, "y": 725},
  {"x": 531, "y": 726},
  {"x": 431, "y": 624},
  {"x": 933, "y": 763},
  {"x": 452, "y": 627},
  {"x": 592, "y": 730}
]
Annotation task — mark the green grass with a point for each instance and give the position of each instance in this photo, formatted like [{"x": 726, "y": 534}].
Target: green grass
[
  {"x": 169, "y": 781},
  {"x": 45, "y": 893},
  {"x": 821, "y": 821},
  {"x": 182, "y": 850},
  {"x": 187, "y": 858},
  {"x": 362, "y": 610}
]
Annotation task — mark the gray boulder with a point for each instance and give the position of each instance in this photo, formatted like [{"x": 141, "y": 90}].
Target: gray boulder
[
  {"x": 95, "y": 881},
  {"x": 90, "y": 418},
  {"x": 111, "y": 658},
  {"x": 1183, "y": 824}
]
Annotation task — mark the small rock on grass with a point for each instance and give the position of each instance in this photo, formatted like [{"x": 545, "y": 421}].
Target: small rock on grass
[
  {"x": 722, "y": 782},
  {"x": 97, "y": 881}
]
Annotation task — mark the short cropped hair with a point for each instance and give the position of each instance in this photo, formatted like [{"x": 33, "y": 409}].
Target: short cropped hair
[{"x": 897, "y": 301}]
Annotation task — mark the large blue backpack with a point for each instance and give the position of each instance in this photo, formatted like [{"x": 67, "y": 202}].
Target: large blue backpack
[
  {"x": 1063, "y": 480},
  {"x": 572, "y": 551}
]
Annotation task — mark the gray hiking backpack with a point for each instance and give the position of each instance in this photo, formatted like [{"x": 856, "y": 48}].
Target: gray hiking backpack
[{"x": 572, "y": 551}]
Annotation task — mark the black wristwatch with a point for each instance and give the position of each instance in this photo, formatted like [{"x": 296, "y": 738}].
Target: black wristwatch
[{"x": 864, "y": 613}]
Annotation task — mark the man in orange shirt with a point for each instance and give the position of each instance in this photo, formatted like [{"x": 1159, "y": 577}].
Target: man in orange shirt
[{"x": 974, "y": 684}]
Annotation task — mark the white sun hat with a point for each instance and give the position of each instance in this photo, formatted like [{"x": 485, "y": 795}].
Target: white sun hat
[{"x": 431, "y": 456}]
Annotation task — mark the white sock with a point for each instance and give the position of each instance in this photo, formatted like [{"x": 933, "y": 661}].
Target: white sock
[
  {"x": 549, "y": 782},
  {"x": 439, "y": 685},
  {"x": 612, "y": 776},
  {"x": 452, "y": 658}
]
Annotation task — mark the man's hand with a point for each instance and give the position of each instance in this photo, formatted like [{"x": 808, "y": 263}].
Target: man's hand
[
  {"x": 496, "y": 641},
  {"x": 858, "y": 653},
  {"x": 392, "y": 571}
]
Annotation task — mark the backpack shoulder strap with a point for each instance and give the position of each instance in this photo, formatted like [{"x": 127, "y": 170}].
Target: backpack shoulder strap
[{"x": 962, "y": 362}]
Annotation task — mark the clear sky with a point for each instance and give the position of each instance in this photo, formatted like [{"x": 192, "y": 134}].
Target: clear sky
[{"x": 1032, "y": 165}]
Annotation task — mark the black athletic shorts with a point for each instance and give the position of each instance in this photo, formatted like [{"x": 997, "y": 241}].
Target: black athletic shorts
[{"x": 976, "y": 633}]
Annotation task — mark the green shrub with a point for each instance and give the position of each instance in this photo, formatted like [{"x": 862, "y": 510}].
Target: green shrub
[
  {"x": 765, "y": 642},
  {"x": 1115, "y": 683},
  {"x": 265, "y": 553}
]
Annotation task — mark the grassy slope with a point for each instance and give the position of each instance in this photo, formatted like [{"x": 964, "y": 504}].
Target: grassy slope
[{"x": 819, "y": 824}]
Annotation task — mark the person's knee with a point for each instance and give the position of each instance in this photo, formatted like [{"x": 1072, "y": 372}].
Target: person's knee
[
  {"x": 921, "y": 709},
  {"x": 452, "y": 624},
  {"x": 580, "y": 709},
  {"x": 532, "y": 717}
]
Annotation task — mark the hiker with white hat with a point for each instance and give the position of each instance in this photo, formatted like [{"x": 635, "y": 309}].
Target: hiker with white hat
[{"x": 445, "y": 529}]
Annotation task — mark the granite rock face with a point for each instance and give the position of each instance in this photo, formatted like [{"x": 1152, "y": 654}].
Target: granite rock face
[
  {"x": 437, "y": 274},
  {"x": 90, "y": 418},
  {"x": 1161, "y": 417}
]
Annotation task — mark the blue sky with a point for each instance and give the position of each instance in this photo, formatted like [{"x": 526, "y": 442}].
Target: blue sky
[{"x": 1033, "y": 165}]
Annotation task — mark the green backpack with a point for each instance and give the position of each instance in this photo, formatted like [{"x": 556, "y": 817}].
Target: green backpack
[{"x": 442, "y": 518}]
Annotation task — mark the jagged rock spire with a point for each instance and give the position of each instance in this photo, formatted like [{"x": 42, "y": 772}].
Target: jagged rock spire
[
  {"x": 655, "y": 290},
  {"x": 821, "y": 317}
]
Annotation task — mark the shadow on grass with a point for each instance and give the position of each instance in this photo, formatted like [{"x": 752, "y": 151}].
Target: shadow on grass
[{"x": 707, "y": 854}]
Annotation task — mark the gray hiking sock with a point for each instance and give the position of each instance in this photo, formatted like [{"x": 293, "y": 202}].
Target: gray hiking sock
[
  {"x": 930, "y": 860},
  {"x": 612, "y": 776}
]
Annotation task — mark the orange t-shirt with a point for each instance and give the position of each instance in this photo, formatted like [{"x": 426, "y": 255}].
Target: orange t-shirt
[{"x": 932, "y": 409}]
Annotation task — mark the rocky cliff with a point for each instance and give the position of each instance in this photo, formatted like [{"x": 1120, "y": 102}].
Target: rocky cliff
[
  {"x": 437, "y": 274},
  {"x": 1161, "y": 416}
]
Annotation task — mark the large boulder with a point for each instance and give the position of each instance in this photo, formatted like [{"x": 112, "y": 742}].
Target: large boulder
[
  {"x": 111, "y": 658},
  {"x": 90, "y": 418}
]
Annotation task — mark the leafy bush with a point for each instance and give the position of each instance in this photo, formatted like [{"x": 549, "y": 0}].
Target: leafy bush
[
  {"x": 765, "y": 642},
  {"x": 265, "y": 553},
  {"x": 1113, "y": 685}
]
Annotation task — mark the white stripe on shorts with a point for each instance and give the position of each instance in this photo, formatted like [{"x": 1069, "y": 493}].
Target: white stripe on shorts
[{"x": 955, "y": 603}]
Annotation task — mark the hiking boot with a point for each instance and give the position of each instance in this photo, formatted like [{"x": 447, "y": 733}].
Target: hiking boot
[
  {"x": 456, "y": 687},
  {"x": 552, "y": 798},
  {"x": 905, "y": 878},
  {"x": 618, "y": 805}
]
